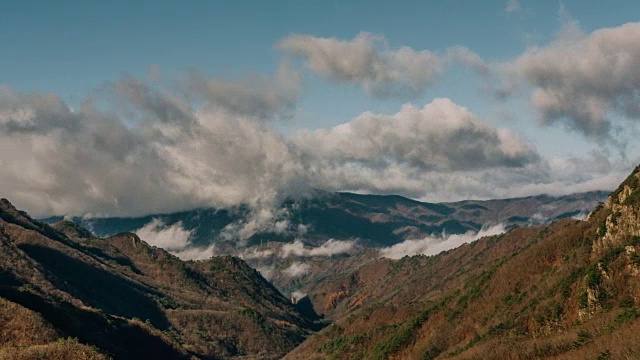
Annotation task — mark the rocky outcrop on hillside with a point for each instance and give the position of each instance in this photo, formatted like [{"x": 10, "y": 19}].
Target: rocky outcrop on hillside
[{"x": 622, "y": 215}]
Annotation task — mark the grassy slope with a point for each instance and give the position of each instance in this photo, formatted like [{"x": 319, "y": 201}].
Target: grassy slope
[{"x": 566, "y": 290}]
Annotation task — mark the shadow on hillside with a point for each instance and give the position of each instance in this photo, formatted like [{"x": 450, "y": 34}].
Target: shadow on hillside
[
  {"x": 305, "y": 308},
  {"x": 97, "y": 287},
  {"x": 120, "y": 260},
  {"x": 117, "y": 337}
]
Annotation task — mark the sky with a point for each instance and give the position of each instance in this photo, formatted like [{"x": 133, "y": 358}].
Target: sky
[{"x": 138, "y": 107}]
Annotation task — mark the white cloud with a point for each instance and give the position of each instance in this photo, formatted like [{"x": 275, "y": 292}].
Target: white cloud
[
  {"x": 259, "y": 97},
  {"x": 329, "y": 248},
  {"x": 169, "y": 155},
  {"x": 440, "y": 136},
  {"x": 266, "y": 272},
  {"x": 196, "y": 253},
  {"x": 583, "y": 81},
  {"x": 158, "y": 159},
  {"x": 581, "y": 216},
  {"x": 296, "y": 269},
  {"x": 367, "y": 60},
  {"x": 175, "y": 239},
  {"x": 261, "y": 218},
  {"x": 468, "y": 58},
  {"x": 255, "y": 253},
  {"x": 170, "y": 238},
  {"x": 434, "y": 245},
  {"x": 383, "y": 72}
]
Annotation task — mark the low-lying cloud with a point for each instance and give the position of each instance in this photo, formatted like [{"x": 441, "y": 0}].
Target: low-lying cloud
[
  {"x": 434, "y": 245},
  {"x": 296, "y": 269},
  {"x": 330, "y": 248},
  {"x": 175, "y": 239},
  {"x": 298, "y": 249},
  {"x": 170, "y": 238},
  {"x": 196, "y": 253}
]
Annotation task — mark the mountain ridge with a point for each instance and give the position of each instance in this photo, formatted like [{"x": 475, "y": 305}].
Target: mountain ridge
[
  {"x": 382, "y": 220},
  {"x": 567, "y": 290},
  {"x": 576, "y": 295},
  {"x": 124, "y": 298}
]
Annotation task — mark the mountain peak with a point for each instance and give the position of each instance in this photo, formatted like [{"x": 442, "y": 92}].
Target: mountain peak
[
  {"x": 628, "y": 193},
  {"x": 619, "y": 220},
  {"x": 73, "y": 231}
]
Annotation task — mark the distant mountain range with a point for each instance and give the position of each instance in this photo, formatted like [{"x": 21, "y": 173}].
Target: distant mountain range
[{"x": 376, "y": 220}]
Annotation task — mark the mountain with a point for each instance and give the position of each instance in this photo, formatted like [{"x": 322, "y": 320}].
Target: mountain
[
  {"x": 308, "y": 241},
  {"x": 299, "y": 267},
  {"x": 566, "y": 290},
  {"x": 68, "y": 294},
  {"x": 377, "y": 220}
]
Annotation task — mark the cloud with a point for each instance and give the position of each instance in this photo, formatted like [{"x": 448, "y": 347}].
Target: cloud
[
  {"x": 440, "y": 136},
  {"x": 329, "y": 248},
  {"x": 196, "y": 253},
  {"x": 34, "y": 113},
  {"x": 367, "y": 60},
  {"x": 296, "y": 269},
  {"x": 434, "y": 245},
  {"x": 255, "y": 253},
  {"x": 297, "y": 248},
  {"x": 382, "y": 72},
  {"x": 581, "y": 216},
  {"x": 266, "y": 272},
  {"x": 170, "y": 238},
  {"x": 584, "y": 81},
  {"x": 150, "y": 105},
  {"x": 470, "y": 59},
  {"x": 174, "y": 239},
  {"x": 262, "y": 217},
  {"x": 152, "y": 155},
  {"x": 512, "y": 6},
  {"x": 259, "y": 97},
  {"x": 156, "y": 152}
]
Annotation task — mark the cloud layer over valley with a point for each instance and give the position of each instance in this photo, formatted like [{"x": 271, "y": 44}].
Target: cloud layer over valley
[{"x": 433, "y": 245}]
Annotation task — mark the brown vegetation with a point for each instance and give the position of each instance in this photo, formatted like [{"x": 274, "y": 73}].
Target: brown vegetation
[
  {"x": 123, "y": 298},
  {"x": 568, "y": 290}
]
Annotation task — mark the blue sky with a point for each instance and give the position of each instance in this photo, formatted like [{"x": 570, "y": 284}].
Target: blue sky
[
  {"x": 76, "y": 49},
  {"x": 71, "y": 47}
]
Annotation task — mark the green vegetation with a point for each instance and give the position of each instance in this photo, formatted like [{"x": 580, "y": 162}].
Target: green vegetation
[
  {"x": 627, "y": 315},
  {"x": 401, "y": 338},
  {"x": 583, "y": 337}
]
